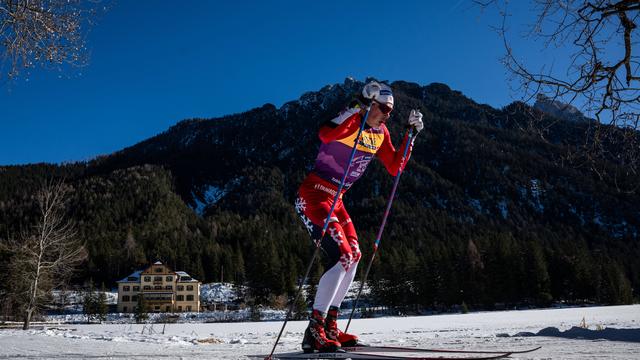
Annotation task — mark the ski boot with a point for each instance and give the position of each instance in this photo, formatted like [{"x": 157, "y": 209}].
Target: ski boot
[
  {"x": 333, "y": 333},
  {"x": 315, "y": 338}
]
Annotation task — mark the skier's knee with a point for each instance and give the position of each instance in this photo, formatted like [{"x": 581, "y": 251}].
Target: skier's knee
[
  {"x": 349, "y": 259},
  {"x": 355, "y": 249}
]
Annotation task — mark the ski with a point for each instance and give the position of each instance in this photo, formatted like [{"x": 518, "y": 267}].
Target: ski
[
  {"x": 365, "y": 356},
  {"x": 368, "y": 348}
]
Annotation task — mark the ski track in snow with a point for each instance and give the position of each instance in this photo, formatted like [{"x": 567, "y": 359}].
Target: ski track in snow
[{"x": 484, "y": 330}]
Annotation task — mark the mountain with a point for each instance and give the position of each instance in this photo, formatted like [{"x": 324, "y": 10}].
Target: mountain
[
  {"x": 559, "y": 109},
  {"x": 486, "y": 212}
]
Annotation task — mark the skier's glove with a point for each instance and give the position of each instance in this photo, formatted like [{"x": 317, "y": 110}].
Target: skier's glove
[
  {"x": 363, "y": 101},
  {"x": 415, "y": 120}
]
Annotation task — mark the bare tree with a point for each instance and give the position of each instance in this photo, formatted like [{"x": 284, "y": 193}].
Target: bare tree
[
  {"x": 43, "y": 32},
  {"x": 602, "y": 76},
  {"x": 46, "y": 255}
]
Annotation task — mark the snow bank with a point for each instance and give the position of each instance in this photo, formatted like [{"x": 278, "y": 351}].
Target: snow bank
[{"x": 631, "y": 335}]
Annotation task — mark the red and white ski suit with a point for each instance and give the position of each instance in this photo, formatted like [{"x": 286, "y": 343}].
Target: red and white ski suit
[{"x": 316, "y": 194}]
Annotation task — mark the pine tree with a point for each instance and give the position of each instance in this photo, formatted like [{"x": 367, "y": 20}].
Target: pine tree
[
  {"x": 89, "y": 303},
  {"x": 101, "y": 304},
  {"x": 141, "y": 311}
]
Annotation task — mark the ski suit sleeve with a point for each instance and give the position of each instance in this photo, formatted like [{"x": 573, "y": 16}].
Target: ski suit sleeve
[
  {"x": 340, "y": 126},
  {"x": 390, "y": 157}
]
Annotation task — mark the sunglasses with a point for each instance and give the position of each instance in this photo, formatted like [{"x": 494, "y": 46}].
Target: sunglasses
[{"x": 384, "y": 108}]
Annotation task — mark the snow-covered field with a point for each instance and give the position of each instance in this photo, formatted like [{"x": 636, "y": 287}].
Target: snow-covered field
[{"x": 489, "y": 330}]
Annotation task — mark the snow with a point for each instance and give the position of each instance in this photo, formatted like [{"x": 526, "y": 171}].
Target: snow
[
  {"x": 285, "y": 152},
  {"x": 621, "y": 229},
  {"x": 597, "y": 219},
  {"x": 212, "y": 194},
  {"x": 504, "y": 211},
  {"x": 536, "y": 192},
  {"x": 136, "y": 275},
  {"x": 218, "y": 292},
  {"x": 72, "y": 302},
  {"x": 441, "y": 201},
  {"x": 476, "y": 205},
  {"x": 188, "y": 138},
  {"x": 484, "y": 330}
]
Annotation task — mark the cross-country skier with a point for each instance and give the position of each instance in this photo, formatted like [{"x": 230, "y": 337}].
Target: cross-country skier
[{"x": 316, "y": 194}]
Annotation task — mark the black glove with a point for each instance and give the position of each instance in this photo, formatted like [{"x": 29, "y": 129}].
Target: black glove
[{"x": 363, "y": 101}]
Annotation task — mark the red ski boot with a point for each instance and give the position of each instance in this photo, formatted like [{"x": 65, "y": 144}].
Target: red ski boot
[
  {"x": 315, "y": 337},
  {"x": 332, "y": 331}
]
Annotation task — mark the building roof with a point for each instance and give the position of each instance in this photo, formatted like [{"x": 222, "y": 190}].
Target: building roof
[
  {"x": 182, "y": 274},
  {"x": 135, "y": 274},
  {"x": 148, "y": 269}
]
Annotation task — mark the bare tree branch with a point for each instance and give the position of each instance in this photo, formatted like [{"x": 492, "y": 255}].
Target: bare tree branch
[
  {"x": 602, "y": 77},
  {"x": 46, "y": 255},
  {"x": 43, "y": 33}
]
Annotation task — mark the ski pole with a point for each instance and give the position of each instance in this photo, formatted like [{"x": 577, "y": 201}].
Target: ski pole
[
  {"x": 376, "y": 244},
  {"x": 324, "y": 230}
]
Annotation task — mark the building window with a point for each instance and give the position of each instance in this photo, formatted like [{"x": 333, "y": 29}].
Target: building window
[
  {"x": 157, "y": 287},
  {"x": 136, "y": 288},
  {"x": 189, "y": 297},
  {"x": 125, "y": 298},
  {"x": 147, "y": 287},
  {"x": 134, "y": 298},
  {"x": 168, "y": 287},
  {"x": 168, "y": 308},
  {"x": 126, "y": 288},
  {"x": 179, "y": 308},
  {"x": 180, "y": 288},
  {"x": 158, "y": 269},
  {"x": 158, "y": 297},
  {"x": 124, "y": 309},
  {"x": 147, "y": 278},
  {"x": 169, "y": 278},
  {"x": 157, "y": 307},
  {"x": 189, "y": 308},
  {"x": 180, "y": 298},
  {"x": 157, "y": 278},
  {"x": 189, "y": 287}
]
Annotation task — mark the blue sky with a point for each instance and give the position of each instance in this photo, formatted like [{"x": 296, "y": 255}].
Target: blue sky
[{"x": 154, "y": 63}]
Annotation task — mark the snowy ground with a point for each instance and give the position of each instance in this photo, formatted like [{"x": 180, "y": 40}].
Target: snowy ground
[{"x": 490, "y": 330}]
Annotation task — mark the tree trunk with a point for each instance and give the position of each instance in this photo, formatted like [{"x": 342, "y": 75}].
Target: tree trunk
[{"x": 27, "y": 320}]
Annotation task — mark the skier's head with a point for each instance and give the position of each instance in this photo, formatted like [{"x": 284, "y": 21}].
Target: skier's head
[
  {"x": 381, "y": 106},
  {"x": 379, "y": 92},
  {"x": 384, "y": 95}
]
